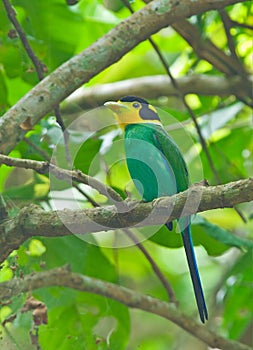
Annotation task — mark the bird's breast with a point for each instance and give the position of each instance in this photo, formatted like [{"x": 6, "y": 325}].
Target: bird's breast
[{"x": 149, "y": 169}]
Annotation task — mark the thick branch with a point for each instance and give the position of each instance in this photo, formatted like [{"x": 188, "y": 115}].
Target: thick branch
[
  {"x": 32, "y": 220},
  {"x": 152, "y": 87},
  {"x": 104, "y": 52},
  {"x": 65, "y": 278}
]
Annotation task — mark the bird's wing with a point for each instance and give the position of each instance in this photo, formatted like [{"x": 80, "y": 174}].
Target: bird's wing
[
  {"x": 173, "y": 156},
  {"x": 176, "y": 162}
]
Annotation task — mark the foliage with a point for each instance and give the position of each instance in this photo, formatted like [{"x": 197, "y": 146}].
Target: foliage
[{"x": 56, "y": 32}]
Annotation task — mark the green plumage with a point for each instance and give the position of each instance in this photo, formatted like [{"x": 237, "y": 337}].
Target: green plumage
[
  {"x": 150, "y": 144},
  {"x": 158, "y": 169}
]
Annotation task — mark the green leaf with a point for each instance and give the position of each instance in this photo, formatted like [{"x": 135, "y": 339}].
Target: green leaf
[
  {"x": 213, "y": 238},
  {"x": 231, "y": 153},
  {"x": 36, "y": 188},
  {"x": 5, "y": 273},
  {"x": 84, "y": 317},
  {"x": 223, "y": 236},
  {"x": 36, "y": 248},
  {"x": 17, "y": 88},
  {"x": 167, "y": 238},
  {"x": 218, "y": 119},
  {"x": 238, "y": 301},
  {"x": 3, "y": 95},
  {"x": 6, "y": 171},
  {"x": 81, "y": 318},
  {"x": 56, "y": 32},
  {"x": 87, "y": 158},
  {"x": 10, "y": 57},
  {"x": 77, "y": 317}
]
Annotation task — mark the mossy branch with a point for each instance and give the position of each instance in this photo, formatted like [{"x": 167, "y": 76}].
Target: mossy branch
[
  {"x": 33, "y": 221},
  {"x": 65, "y": 278},
  {"x": 104, "y": 52}
]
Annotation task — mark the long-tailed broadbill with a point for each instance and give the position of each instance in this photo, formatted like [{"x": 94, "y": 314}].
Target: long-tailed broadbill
[{"x": 157, "y": 168}]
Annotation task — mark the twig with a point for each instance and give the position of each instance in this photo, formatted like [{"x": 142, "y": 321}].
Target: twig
[
  {"x": 65, "y": 278},
  {"x": 44, "y": 154},
  {"x": 205, "y": 49},
  {"x": 64, "y": 131},
  {"x": 239, "y": 24},
  {"x": 227, "y": 23},
  {"x": 38, "y": 67},
  {"x": 154, "y": 266},
  {"x": 89, "y": 198},
  {"x": 12, "y": 17},
  {"x": 48, "y": 159},
  {"x": 227, "y": 26},
  {"x": 63, "y": 174}
]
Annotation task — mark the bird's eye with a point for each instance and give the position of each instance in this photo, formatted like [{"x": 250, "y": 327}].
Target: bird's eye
[{"x": 136, "y": 105}]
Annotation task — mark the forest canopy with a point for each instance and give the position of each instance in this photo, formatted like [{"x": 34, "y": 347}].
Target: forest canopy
[{"x": 84, "y": 263}]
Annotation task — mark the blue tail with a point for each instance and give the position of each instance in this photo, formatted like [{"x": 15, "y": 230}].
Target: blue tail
[{"x": 192, "y": 263}]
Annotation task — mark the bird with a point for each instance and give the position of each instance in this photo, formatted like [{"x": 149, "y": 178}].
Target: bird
[{"x": 157, "y": 168}]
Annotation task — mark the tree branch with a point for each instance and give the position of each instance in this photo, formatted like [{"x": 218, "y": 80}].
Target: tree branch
[
  {"x": 62, "y": 174},
  {"x": 65, "y": 278},
  {"x": 33, "y": 221},
  {"x": 242, "y": 25},
  {"x": 206, "y": 50},
  {"x": 157, "y": 271},
  {"x": 104, "y": 52},
  {"x": 42, "y": 167},
  {"x": 152, "y": 87}
]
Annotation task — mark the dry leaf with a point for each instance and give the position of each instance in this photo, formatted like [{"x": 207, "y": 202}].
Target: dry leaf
[{"x": 26, "y": 125}]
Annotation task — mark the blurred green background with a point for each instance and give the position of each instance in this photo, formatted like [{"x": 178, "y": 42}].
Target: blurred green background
[{"x": 223, "y": 241}]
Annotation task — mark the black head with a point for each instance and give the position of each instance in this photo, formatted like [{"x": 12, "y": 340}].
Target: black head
[
  {"x": 133, "y": 110},
  {"x": 146, "y": 110},
  {"x": 133, "y": 99}
]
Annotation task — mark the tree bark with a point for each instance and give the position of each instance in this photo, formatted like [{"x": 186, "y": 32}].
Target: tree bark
[
  {"x": 104, "y": 52},
  {"x": 34, "y": 221},
  {"x": 152, "y": 87}
]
